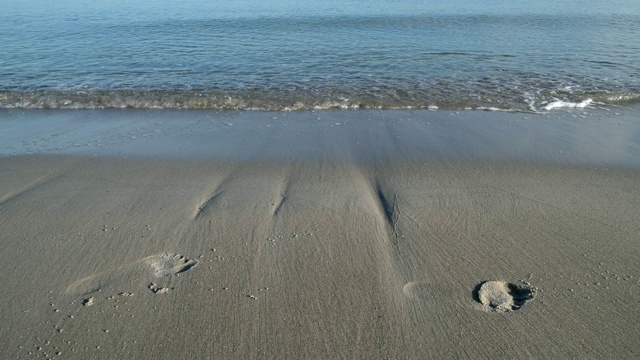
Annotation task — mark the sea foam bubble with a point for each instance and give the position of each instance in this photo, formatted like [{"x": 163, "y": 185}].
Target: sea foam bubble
[{"x": 567, "y": 104}]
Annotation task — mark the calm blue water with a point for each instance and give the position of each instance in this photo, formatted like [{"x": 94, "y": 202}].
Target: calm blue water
[{"x": 274, "y": 55}]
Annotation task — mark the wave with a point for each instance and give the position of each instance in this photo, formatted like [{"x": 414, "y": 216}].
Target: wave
[
  {"x": 542, "y": 101},
  {"x": 567, "y": 104}
]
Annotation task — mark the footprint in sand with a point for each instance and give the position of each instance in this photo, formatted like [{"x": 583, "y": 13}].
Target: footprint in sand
[
  {"x": 169, "y": 264},
  {"x": 416, "y": 290},
  {"x": 151, "y": 269},
  {"x": 423, "y": 291},
  {"x": 501, "y": 296}
]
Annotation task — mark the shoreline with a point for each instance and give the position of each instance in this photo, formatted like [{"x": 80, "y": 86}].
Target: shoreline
[
  {"x": 291, "y": 237},
  {"x": 591, "y": 137}
]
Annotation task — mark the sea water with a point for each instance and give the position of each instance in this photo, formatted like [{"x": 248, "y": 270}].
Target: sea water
[{"x": 510, "y": 55}]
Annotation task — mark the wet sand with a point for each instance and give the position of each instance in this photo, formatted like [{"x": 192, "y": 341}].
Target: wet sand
[{"x": 351, "y": 234}]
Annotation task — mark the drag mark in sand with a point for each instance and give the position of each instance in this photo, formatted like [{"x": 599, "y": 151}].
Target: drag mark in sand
[
  {"x": 388, "y": 213},
  {"x": 30, "y": 187},
  {"x": 212, "y": 200},
  {"x": 281, "y": 197},
  {"x": 388, "y": 207},
  {"x": 278, "y": 205},
  {"x": 502, "y": 297}
]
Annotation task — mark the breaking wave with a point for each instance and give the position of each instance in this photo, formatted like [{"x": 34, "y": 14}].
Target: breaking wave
[{"x": 539, "y": 101}]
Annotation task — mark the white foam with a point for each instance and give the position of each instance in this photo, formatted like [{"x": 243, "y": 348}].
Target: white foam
[
  {"x": 567, "y": 104},
  {"x": 622, "y": 97},
  {"x": 493, "y": 108}
]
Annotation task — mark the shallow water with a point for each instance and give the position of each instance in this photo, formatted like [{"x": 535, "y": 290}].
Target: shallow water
[{"x": 275, "y": 55}]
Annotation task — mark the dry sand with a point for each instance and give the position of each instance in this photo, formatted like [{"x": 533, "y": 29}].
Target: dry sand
[{"x": 402, "y": 253}]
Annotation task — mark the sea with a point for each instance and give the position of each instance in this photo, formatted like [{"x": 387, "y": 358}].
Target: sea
[{"x": 274, "y": 55}]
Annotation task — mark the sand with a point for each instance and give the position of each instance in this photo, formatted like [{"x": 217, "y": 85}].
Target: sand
[{"x": 374, "y": 238}]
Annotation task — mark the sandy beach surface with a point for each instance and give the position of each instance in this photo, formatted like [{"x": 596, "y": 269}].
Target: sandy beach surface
[{"x": 325, "y": 234}]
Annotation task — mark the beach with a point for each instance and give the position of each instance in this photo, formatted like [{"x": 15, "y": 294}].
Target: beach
[
  {"x": 320, "y": 179},
  {"x": 320, "y": 234}
]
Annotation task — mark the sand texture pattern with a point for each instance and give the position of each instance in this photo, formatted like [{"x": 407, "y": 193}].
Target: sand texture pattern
[
  {"x": 348, "y": 234},
  {"x": 153, "y": 259}
]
